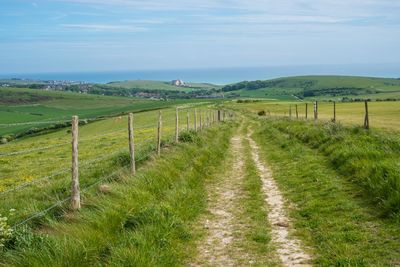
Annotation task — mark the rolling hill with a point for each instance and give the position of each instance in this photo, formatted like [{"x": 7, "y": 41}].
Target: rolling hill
[
  {"x": 318, "y": 87},
  {"x": 30, "y": 110}
]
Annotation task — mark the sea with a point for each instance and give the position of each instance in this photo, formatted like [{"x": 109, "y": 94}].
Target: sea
[{"x": 219, "y": 76}]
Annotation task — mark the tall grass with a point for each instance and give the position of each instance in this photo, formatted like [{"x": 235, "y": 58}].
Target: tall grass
[
  {"x": 369, "y": 158},
  {"x": 140, "y": 221},
  {"x": 329, "y": 212}
]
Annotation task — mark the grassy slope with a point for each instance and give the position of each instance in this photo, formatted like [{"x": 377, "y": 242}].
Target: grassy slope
[
  {"x": 284, "y": 88},
  {"x": 331, "y": 209},
  {"x": 97, "y": 140},
  {"x": 26, "y": 105},
  {"x": 142, "y": 221}
]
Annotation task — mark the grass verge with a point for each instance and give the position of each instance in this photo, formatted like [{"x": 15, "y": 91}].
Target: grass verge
[
  {"x": 331, "y": 213},
  {"x": 368, "y": 158}
]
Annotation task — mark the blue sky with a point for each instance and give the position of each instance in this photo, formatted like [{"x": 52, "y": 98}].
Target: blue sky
[{"x": 104, "y": 35}]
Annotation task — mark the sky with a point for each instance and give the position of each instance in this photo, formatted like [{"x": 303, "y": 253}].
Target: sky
[{"x": 112, "y": 35}]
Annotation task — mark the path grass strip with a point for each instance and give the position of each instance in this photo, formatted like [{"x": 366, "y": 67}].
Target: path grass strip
[{"x": 257, "y": 234}]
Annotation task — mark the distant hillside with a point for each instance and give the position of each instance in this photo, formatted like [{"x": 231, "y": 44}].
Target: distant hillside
[
  {"x": 160, "y": 85},
  {"x": 339, "y": 87}
]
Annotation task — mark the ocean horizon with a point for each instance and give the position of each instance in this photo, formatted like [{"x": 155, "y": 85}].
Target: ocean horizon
[{"x": 217, "y": 75}]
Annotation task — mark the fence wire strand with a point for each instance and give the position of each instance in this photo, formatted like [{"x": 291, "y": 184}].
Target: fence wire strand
[{"x": 142, "y": 144}]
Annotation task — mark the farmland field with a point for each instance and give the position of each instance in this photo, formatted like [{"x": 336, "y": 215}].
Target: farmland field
[
  {"x": 383, "y": 115},
  {"x": 23, "y": 109}
]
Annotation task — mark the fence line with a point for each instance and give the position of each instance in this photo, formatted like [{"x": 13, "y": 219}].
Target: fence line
[
  {"x": 41, "y": 213},
  {"x": 366, "y": 121},
  {"x": 75, "y": 172},
  {"x": 85, "y": 164},
  {"x": 95, "y": 137},
  {"x": 59, "y": 203}
]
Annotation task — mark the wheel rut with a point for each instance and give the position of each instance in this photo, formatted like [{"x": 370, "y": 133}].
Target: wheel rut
[{"x": 289, "y": 248}]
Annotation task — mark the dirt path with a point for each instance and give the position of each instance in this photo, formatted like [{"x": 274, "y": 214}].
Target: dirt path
[
  {"x": 289, "y": 248},
  {"x": 217, "y": 248},
  {"x": 224, "y": 225}
]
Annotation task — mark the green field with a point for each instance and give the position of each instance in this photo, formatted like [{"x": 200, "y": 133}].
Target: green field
[
  {"x": 383, "y": 115},
  {"x": 318, "y": 87},
  {"x": 39, "y": 166},
  {"x": 24, "y": 109}
]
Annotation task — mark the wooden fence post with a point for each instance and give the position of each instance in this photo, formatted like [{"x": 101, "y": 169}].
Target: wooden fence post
[
  {"x": 297, "y": 113},
  {"x": 366, "y": 119},
  {"x": 75, "y": 191},
  {"x": 201, "y": 121},
  {"x": 315, "y": 110},
  {"x": 187, "y": 121},
  {"x": 159, "y": 134},
  {"x": 131, "y": 143},
  {"x": 306, "y": 110},
  {"x": 290, "y": 111},
  {"x": 195, "y": 120},
  {"x": 177, "y": 125},
  {"x": 334, "y": 111},
  {"x": 212, "y": 117}
]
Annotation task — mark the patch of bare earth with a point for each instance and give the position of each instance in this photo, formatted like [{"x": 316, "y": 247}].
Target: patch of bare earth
[
  {"x": 289, "y": 248},
  {"x": 222, "y": 226}
]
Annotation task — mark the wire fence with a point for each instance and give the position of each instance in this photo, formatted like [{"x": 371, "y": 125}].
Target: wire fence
[
  {"x": 312, "y": 111},
  {"x": 167, "y": 129}
]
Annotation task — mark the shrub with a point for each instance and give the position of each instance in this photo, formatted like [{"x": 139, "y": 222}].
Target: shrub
[
  {"x": 188, "y": 137},
  {"x": 261, "y": 113}
]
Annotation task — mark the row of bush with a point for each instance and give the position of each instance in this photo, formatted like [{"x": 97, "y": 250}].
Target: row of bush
[
  {"x": 368, "y": 158},
  {"x": 38, "y": 130}
]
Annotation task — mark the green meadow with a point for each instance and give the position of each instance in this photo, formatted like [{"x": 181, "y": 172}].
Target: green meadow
[{"x": 24, "y": 109}]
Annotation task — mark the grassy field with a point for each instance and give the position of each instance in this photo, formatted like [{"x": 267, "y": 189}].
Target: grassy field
[
  {"x": 42, "y": 160},
  {"x": 341, "y": 186},
  {"x": 24, "y": 109},
  {"x": 138, "y": 222},
  {"x": 318, "y": 87},
  {"x": 269, "y": 93},
  {"x": 160, "y": 85},
  {"x": 383, "y": 115}
]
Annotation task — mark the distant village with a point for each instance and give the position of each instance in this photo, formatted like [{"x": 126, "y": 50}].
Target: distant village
[
  {"x": 104, "y": 89},
  {"x": 48, "y": 85}
]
